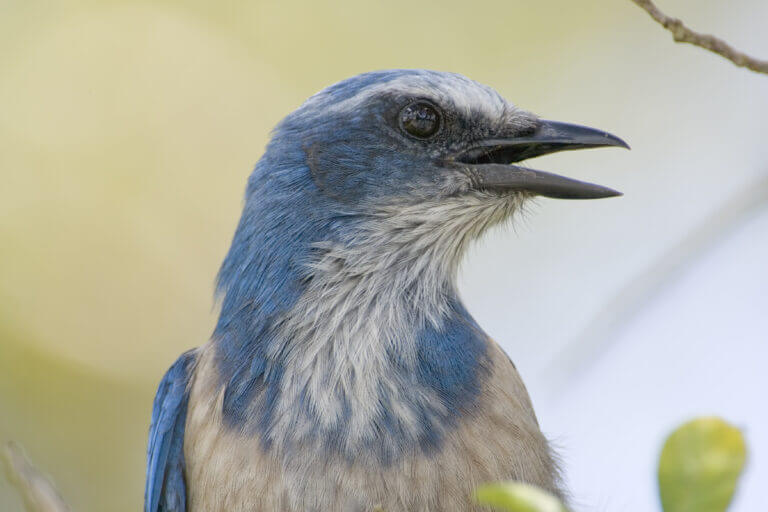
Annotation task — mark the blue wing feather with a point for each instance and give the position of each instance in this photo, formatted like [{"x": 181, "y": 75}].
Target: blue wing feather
[{"x": 165, "y": 489}]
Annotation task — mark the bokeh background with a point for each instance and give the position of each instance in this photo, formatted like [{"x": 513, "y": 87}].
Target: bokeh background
[{"x": 127, "y": 131}]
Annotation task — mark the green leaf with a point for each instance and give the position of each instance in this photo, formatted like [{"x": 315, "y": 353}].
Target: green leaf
[
  {"x": 700, "y": 466},
  {"x": 517, "y": 497}
]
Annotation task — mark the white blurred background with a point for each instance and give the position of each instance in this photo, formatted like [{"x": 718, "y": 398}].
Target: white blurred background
[{"x": 127, "y": 131}]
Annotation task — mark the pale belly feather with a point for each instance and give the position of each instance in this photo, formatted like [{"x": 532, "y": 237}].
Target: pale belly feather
[{"x": 229, "y": 471}]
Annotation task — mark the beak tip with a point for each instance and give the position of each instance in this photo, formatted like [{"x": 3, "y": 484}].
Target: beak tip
[
  {"x": 600, "y": 192},
  {"x": 615, "y": 141}
]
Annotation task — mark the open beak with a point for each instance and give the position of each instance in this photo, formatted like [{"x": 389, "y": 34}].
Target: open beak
[{"x": 489, "y": 162}]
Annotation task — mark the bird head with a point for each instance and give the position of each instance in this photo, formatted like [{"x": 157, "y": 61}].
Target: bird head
[
  {"x": 390, "y": 173},
  {"x": 402, "y": 137}
]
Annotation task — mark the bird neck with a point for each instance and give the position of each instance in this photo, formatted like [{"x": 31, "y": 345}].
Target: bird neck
[{"x": 328, "y": 335}]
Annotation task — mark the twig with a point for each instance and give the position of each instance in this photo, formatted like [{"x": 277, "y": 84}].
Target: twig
[
  {"x": 39, "y": 493},
  {"x": 683, "y": 34}
]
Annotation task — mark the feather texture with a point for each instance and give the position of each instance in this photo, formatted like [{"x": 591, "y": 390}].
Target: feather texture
[
  {"x": 344, "y": 372},
  {"x": 165, "y": 485}
]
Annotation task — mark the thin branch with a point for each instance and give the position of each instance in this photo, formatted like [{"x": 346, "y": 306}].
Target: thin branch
[
  {"x": 683, "y": 34},
  {"x": 38, "y": 492}
]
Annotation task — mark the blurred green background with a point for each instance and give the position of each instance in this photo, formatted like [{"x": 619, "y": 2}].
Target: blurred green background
[{"x": 127, "y": 131}]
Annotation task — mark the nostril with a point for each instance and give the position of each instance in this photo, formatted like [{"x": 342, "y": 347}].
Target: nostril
[{"x": 528, "y": 131}]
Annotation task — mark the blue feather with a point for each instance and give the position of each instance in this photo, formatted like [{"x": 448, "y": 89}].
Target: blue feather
[{"x": 165, "y": 489}]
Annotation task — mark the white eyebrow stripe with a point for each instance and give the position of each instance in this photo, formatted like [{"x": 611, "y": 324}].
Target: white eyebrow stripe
[{"x": 463, "y": 94}]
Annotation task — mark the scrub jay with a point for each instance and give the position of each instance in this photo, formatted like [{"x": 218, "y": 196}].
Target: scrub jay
[{"x": 344, "y": 372}]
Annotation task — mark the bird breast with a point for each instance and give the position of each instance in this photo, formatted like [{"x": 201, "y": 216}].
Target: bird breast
[{"x": 231, "y": 470}]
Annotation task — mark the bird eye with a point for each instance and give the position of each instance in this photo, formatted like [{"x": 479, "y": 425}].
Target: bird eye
[{"x": 420, "y": 119}]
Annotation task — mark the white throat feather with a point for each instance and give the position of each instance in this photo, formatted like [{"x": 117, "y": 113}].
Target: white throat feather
[{"x": 366, "y": 302}]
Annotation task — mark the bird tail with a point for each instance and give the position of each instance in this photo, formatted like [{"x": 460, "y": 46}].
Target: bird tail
[{"x": 39, "y": 493}]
